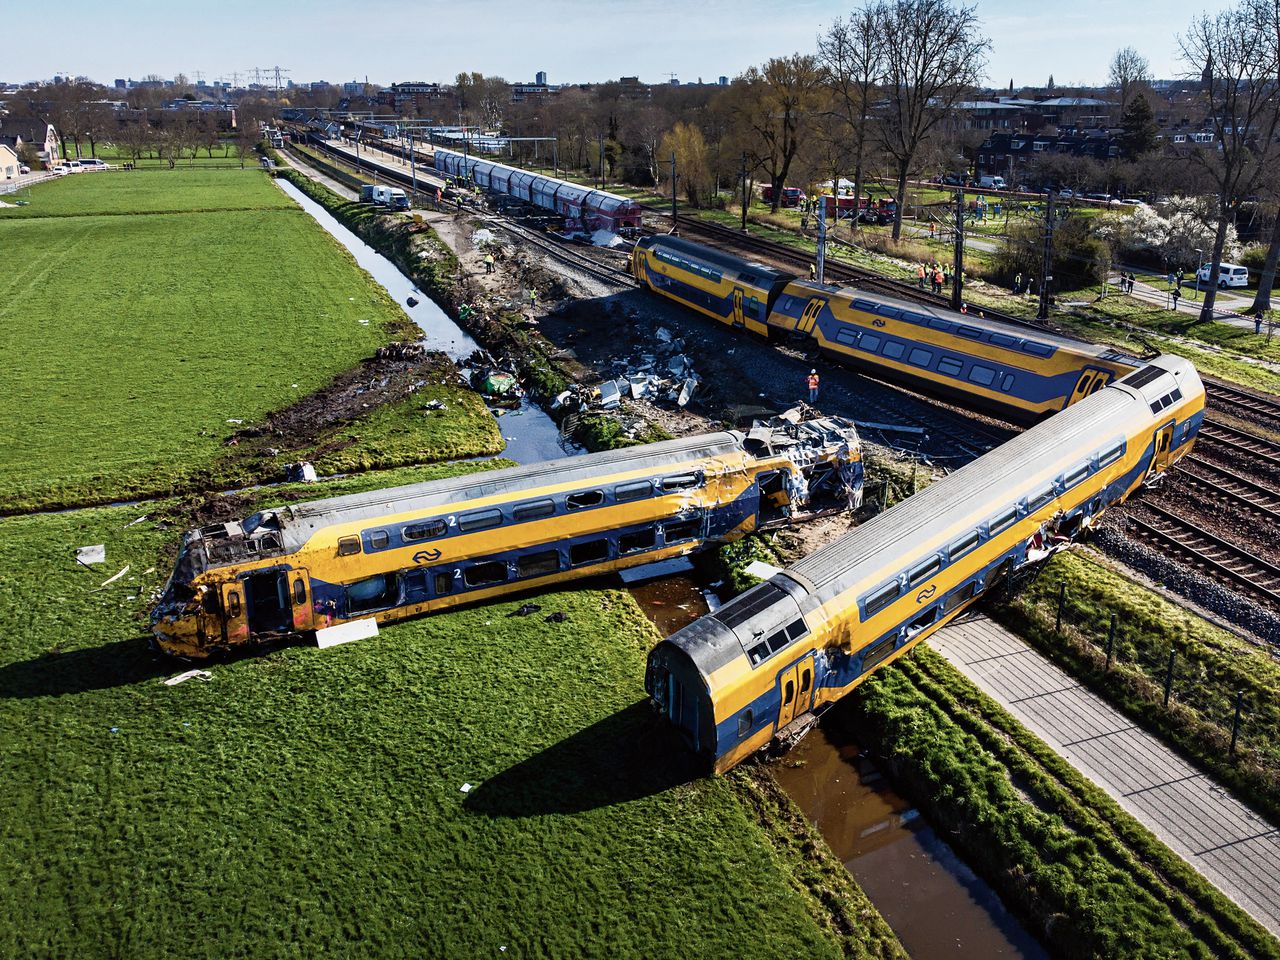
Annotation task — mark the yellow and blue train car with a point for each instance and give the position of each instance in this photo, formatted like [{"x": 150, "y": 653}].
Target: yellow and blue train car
[
  {"x": 394, "y": 553},
  {"x": 1013, "y": 372},
  {"x": 717, "y": 285},
  {"x": 764, "y": 665}
]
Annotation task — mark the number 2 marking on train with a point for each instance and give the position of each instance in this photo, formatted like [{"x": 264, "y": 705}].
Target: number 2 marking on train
[{"x": 925, "y": 594}]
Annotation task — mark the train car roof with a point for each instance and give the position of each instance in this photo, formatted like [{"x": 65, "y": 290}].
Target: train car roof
[
  {"x": 299, "y": 521},
  {"x": 1034, "y": 334},
  {"x": 885, "y": 545},
  {"x": 711, "y": 255}
]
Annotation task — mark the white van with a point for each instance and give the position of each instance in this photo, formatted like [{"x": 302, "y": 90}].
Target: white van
[
  {"x": 992, "y": 183},
  {"x": 1229, "y": 275}
]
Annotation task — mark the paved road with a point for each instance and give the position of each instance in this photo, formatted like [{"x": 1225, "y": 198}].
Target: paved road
[{"x": 1233, "y": 847}]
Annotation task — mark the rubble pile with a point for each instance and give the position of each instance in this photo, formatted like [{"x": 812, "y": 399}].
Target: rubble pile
[{"x": 664, "y": 374}]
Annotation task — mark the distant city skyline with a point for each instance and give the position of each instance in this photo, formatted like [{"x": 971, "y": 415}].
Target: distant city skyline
[{"x": 574, "y": 41}]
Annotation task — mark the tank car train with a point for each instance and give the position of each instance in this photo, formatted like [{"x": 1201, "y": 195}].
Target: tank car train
[
  {"x": 765, "y": 664},
  {"x": 1009, "y": 371},
  {"x": 394, "y": 553}
]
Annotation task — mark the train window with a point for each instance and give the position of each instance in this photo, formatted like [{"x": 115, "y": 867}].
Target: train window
[
  {"x": 957, "y": 597},
  {"x": 378, "y": 539},
  {"x": 632, "y": 491},
  {"x": 758, "y": 654},
  {"x": 1002, "y": 521},
  {"x": 1111, "y": 455},
  {"x": 777, "y": 641},
  {"x": 797, "y": 629},
  {"x": 893, "y": 349},
  {"x": 950, "y": 366},
  {"x": 371, "y": 593},
  {"x": 878, "y": 652},
  {"x": 680, "y": 481},
  {"x": 1144, "y": 375},
  {"x": 1007, "y": 383},
  {"x": 866, "y": 305},
  {"x": 495, "y": 571},
  {"x": 963, "y": 545},
  {"x": 983, "y": 376},
  {"x": 443, "y": 583},
  {"x": 1041, "y": 499},
  {"x": 1176, "y": 395},
  {"x": 538, "y": 564},
  {"x": 682, "y": 530},
  {"x": 870, "y": 342},
  {"x": 847, "y": 335},
  {"x": 973, "y": 333},
  {"x": 745, "y": 722},
  {"x": 924, "y": 571},
  {"x": 920, "y": 357},
  {"x": 1037, "y": 349},
  {"x": 806, "y": 680},
  {"x": 914, "y": 317},
  {"x": 1075, "y": 476},
  {"x": 299, "y": 592},
  {"x": 587, "y": 498},
  {"x": 921, "y": 620},
  {"x": 937, "y": 323},
  {"x": 882, "y": 598},
  {"x": 640, "y": 540},
  {"x": 480, "y": 520},
  {"x": 533, "y": 509},
  {"x": 424, "y": 531},
  {"x": 348, "y": 545},
  {"x": 1004, "y": 340},
  {"x": 233, "y": 604},
  {"x": 593, "y": 551}
]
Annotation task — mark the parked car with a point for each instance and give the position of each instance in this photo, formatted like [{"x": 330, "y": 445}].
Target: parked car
[
  {"x": 956, "y": 180},
  {"x": 24, "y": 169},
  {"x": 992, "y": 183},
  {"x": 1066, "y": 193},
  {"x": 1229, "y": 275},
  {"x": 72, "y": 166},
  {"x": 791, "y": 196},
  {"x": 93, "y": 163}
]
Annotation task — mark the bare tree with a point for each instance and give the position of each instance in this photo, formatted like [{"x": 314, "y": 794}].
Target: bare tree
[
  {"x": 935, "y": 54},
  {"x": 689, "y": 147},
  {"x": 1266, "y": 17},
  {"x": 1127, "y": 71},
  {"x": 778, "y": 103},
  {"x": 853, "y": 54},
  {"x": 1231, "y": 54}
]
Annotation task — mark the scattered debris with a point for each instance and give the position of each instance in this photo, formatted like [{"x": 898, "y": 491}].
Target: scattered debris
[
  {"x": 94, "y": 554},
  {"x": 412, "y": 301},
  {"x": 482, "y": 236},
  {"x": 301, "y": 472},
  {"x": 435, "y": 405},
  {"x": 888, "y": 427},
  {"x": 132, "y": 522},
  {"x": 758, "y": 568},
  {"x": 235, "y": 423},
  {"x": 346, "y": 632},
  {"x": 524, "y": 611},
  {"x": 189, "y": 675},
  {"x": 650, "y": 571},
  {"x": 466, "y": 788},
  {"x": 607, "y": 238},
  {"x": 558, "y": 617},
  {"x": 116, "y": 577}
]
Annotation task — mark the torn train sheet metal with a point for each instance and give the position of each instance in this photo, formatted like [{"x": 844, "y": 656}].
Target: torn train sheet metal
[
  {"x": 189, "y": 675},
  {"x": 346, "y": 633},
  {"x": 94, "y": 554},
  {"x": 111, "y": 580}
]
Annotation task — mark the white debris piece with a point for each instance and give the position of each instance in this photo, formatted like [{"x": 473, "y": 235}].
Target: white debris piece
[
  {"x": 466, "y": 788},
  {"x": 189, "y": 675},
  {"x": 94, "y": 554},
  {"x": 346, "y": 632},
  {"x": 758, "y": 568},
  {"x": 235, "y": 422},
  {"x": 116, "y": 577},
  {"x": 649, "y": 571},
  {"x": 606, "y": 238},
  {"x": 482, "y": 236}
]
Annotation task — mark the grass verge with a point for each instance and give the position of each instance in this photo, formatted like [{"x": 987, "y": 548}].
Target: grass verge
[
  {"x": 1214, "y": 666},
  {"x": 1060, "y": 852}
]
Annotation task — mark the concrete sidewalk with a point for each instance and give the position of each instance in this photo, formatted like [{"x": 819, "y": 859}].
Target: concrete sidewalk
[{"x": 1233, "y": 847}]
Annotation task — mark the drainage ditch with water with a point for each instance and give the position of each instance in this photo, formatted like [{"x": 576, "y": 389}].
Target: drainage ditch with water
[
  {"x": 531, "y": 435},
  {"x": 936, "y": 905},
  {"x": 933, "y": 901}
]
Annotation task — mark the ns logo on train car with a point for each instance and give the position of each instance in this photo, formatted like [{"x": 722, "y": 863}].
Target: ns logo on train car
[
  {"x": 926, "y": 593},
  {"x": 426, "y": 556}
]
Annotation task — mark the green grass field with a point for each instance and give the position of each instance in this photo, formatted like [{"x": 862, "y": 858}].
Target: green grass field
[
  {"x": 309, "y": 803},
  {"x": 141, "y": 336}
]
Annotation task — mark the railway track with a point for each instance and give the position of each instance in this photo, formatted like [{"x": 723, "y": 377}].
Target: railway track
[
  {"x": 1209, "y": 553},
  {"x": 1227, "y": 486},
  {"x": 605, "y": 272},
  {"x": 1226, "y": 397},
  {"x": 1240, "y": 441}
]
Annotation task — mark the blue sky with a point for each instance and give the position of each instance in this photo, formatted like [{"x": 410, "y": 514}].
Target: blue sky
[{"x": 573, "y": 40}]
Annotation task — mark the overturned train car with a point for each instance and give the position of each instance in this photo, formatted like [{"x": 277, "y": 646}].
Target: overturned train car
[
  {"x": 762, "y": 667},
  {"x": 395, "y": 553}
]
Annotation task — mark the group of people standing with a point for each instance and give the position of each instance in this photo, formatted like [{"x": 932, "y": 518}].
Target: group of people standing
[{"x": 935, "y": 273}]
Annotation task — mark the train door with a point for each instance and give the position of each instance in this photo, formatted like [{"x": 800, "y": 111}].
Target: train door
[
  {"x": 637, "y": 264},
  {"x": 789, "y": 694},
  {"x": 235, "y": 613},
  {"x": 1092, "y": 379},
  {"x": 737, "y": 318},
  {"x": 1164, "y": 448},
  {"x": 300, "y": 587},
  {"x": 810, "y": 316},
  {"x": 267, "y": 596}
]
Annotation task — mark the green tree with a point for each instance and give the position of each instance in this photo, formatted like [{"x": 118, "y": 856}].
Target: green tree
[
  {"x": 1140, "y": 130},
  {"x": 690, "y": 149}
]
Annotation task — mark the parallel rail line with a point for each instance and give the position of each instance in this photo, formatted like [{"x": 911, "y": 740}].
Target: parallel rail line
[{"x": 1220, "y": 483}]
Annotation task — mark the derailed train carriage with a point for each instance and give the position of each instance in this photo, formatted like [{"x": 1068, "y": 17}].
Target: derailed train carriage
[
  {"x": 763, "y": 666},
  {"x": 587, "y": 208},
  {"x": 1015, "y": 373},
  {"x": 394, "y": 553}
]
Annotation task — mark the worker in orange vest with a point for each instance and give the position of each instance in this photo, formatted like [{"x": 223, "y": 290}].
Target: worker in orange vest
[
  {"x": 920, "y": 275},
  {"x": 938, "y": 280},
  {"x": 813, "y": 386}
]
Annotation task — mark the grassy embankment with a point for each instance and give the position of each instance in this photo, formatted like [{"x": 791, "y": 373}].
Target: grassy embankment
[
  {"x": 315, "y": 798},
  {"x": 143, "y": 335},
  {"x": 1213, "y": 666},
  {"x": 1061, "y": 853}
]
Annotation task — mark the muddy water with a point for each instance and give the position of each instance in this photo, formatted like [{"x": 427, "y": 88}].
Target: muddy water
[
  {"x": 531, "y": 435},
  {"x": 933, "y": 901}
]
